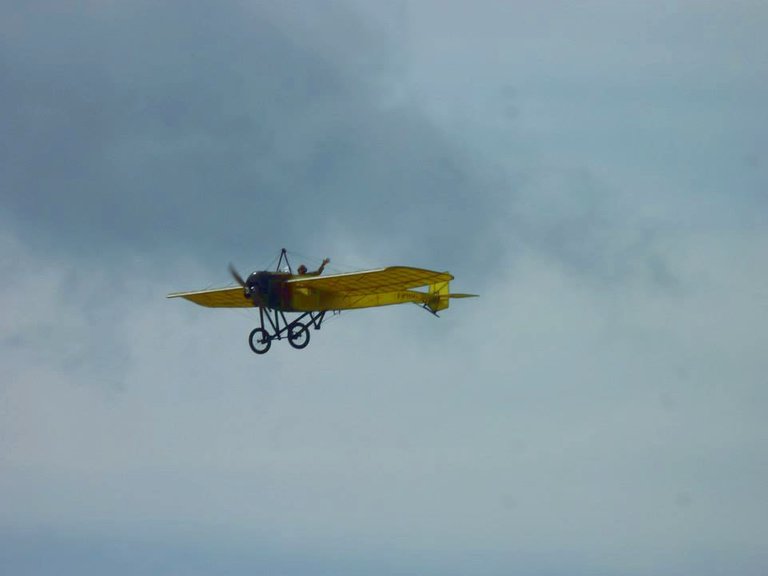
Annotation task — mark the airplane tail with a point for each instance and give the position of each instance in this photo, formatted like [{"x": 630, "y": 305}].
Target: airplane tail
[{"x": 439, "y": 295}]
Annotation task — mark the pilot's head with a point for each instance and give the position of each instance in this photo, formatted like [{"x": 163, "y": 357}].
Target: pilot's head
[{"x": 302, "y": 269}]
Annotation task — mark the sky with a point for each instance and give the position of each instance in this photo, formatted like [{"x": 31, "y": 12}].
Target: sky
[{"x": 595, "y": 170}]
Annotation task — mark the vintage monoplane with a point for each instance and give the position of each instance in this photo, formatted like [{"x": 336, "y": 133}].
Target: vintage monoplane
[{"x": 312, "y": 296}]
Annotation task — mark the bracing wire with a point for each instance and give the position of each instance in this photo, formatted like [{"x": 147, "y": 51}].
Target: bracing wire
[{"x": 335, "y": 266}]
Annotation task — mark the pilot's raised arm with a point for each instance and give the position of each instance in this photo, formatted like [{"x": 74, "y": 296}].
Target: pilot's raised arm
[{"x": 302, "y": 270}]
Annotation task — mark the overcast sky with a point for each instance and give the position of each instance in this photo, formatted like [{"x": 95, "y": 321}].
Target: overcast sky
[{"x": 595, "y": 170}]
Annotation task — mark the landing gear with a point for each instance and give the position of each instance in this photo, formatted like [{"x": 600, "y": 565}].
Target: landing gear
[
  {"x": 260, "y": 339},
  {"x": 298, "y": 335}
]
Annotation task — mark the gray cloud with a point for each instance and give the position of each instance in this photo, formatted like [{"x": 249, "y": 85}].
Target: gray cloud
[
  {"x": 597, "y": 410},
  {"x": 588, "y": 421},
  {"x": 221, "y": 129}
]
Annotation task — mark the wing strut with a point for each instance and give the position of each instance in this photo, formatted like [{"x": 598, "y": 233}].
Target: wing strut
[{"x": 284, "y": 256}]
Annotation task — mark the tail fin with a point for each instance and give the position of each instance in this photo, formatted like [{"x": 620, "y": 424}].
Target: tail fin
[{"x": 439, "y": 296}]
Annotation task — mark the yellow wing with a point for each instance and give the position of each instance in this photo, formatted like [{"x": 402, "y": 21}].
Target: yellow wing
[
  {"x": 371, "y": 281},
  {"x": 217, "y": 298},
  {"x": 369, "y": 288},
  {"x": 364, "y": 289}
]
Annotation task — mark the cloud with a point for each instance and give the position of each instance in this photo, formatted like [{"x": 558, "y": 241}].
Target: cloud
[
  {"x": 597, "y": 406},
  {"x": 589, "y": 419},
  {"x": 221, "y": 128}
]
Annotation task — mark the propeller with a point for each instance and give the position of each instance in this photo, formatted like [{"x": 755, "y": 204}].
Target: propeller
[
  {"x": 239, "y": 280},
  {"x": 236, "y": 276}
]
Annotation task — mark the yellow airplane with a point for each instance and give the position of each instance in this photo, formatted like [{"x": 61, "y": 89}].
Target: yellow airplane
[{"x": 312, "y": 296}]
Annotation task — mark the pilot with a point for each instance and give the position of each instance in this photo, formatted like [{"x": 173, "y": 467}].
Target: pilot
[{"x": 302, "y": 270}]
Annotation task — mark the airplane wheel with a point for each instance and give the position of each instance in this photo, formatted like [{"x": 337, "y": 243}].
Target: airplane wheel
[
  {"x": 298, "y": 335},
  {"x": 259, "y": 341}
]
